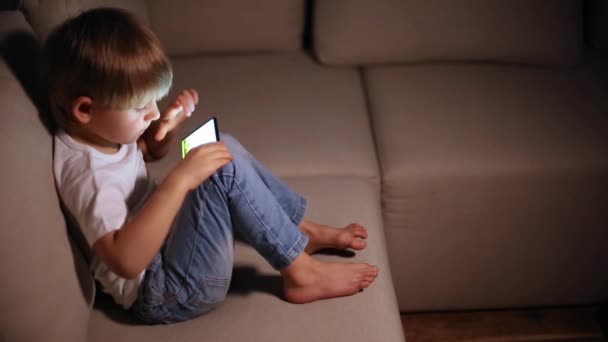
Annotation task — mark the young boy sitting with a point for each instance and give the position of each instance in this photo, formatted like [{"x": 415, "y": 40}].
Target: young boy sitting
[{"x": 165, "y": 251}]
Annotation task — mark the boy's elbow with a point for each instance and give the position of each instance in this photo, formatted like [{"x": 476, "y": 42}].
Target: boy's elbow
[
  {"x": 113, "y": 258},
  {"x": 125, "y": 271},
  {"x": 131, "y": 275},
  {"x": 124, "y": 268}
]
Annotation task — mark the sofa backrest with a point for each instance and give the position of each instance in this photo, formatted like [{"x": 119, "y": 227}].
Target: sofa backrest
[
  {"x": 188, "y": 27},
  {"x": 45, "y": 15},
  {"x": 352, "y": 32},
  {"x": 47, "y": 290}
]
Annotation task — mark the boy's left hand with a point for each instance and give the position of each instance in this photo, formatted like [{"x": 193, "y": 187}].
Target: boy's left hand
[{"x": 180, "y": 109}]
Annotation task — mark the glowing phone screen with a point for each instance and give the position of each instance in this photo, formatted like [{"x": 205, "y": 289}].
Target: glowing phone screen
[{"x": 205, "y": 134}]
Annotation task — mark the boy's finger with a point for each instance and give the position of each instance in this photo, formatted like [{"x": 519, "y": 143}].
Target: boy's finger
[
  {"x": 219, "y": 162},
  {"x": 212, "y": 147},
  {"x": 172, "y": 111},
  {"x": 194, "y": 95},
  {"x": 220, "y": 155},
  {"x": 212, "y": 157},
  {"x": 188, "y": 101},
  {"x": 161, "y": 133}
]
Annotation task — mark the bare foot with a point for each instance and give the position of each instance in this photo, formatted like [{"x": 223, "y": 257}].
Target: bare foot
[
  {"x": 322, "y": 236},
  {"x": 306, "y": 279}
]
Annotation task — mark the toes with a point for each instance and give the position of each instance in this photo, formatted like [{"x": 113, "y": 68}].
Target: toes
[
  {"x": 359, "y": 268},
  {"x": 369, "y": 277},
  {"x": 367, "y": 270},
  {"x": 372, "y": 270},
  {"x": 367, "y": 282},
  {"x": 358, "y": 244},
  {"x": 371, "y": 274},
  {"x": 357, "y": 230}
]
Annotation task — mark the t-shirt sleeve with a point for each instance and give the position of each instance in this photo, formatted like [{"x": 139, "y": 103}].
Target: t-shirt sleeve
[{"x": 98, "y": 209}]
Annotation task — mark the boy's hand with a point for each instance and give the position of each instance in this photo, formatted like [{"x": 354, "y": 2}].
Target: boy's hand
[
  {"x": 180, "y": 109},
  {"x": 200, "y": 163}
]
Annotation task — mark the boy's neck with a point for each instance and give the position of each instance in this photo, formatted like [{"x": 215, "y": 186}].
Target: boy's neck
[{"x": 94, "y": 141}]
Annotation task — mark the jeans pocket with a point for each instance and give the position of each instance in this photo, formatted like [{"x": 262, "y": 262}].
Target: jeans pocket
[
  {"x": 150, "y": 314},
  {"x": 209, "y": 294},
  {"x": 154, "y": 290}
]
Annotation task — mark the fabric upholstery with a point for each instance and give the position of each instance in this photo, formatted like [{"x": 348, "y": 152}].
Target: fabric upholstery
[
  {"x": 46, "y": 291},
  {"x": 496, "y": 179},
  {"x": 45, "y": 15},
  {"x": 253, "y": 310},
  {"x": 313, "y": 122},
  {"x": 188, "y": 27},
  {"x": 348, "y": 32}
]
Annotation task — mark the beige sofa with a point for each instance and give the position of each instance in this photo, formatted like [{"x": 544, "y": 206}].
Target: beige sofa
[{"x": 471, "y": 139}]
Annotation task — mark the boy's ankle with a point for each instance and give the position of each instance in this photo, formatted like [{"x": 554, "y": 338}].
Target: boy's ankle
[{"x": 303, "y": 264}]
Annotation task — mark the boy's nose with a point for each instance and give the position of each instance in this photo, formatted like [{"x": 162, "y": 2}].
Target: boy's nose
[{"x": 154, "y": 113}]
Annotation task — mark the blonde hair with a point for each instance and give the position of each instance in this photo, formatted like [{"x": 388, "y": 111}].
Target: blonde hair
[{"x": 109, "y": 56}]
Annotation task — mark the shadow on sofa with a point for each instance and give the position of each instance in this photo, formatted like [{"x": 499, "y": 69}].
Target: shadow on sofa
[
  {"x": 23, "y": 54},
  {"x": 245, "y": 280}
]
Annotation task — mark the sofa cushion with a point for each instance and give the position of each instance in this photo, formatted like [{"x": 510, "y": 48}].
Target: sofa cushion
[
  {"x": 253, "y": 310},
  {"x": 296, "y": 117},
  {"x": 188, "y": 27},
  {"x": 365, "y": 32},
  {"x": 46, "y": 287},
  {"x": 496, "y": 177},
  {"x": 45, "y": 15}
]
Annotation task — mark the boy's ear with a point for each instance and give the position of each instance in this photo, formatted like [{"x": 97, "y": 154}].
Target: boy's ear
[{"x": 82, "y": 108}]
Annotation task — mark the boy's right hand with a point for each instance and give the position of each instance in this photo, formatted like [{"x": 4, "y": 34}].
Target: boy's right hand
[{"x": 200, "y": 163}]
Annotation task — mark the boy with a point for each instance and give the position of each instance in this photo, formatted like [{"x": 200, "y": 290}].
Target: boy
[{"x": 165, "y": 251}]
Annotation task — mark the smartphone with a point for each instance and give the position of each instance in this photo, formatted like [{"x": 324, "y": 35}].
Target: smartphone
[{"x": 207, "y": 133}]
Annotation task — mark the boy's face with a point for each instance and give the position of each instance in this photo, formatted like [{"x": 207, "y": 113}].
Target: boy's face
[{"x": 122, "y": 126}]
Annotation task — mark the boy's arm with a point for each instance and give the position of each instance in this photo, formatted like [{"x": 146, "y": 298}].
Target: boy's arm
[
  {"x": 152, "y": 149},
  {"x": 127, "y": 251},
  {"x": 130, "y": 249}
]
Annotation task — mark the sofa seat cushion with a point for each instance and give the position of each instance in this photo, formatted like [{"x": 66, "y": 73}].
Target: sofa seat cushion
[
  {"x": 387, "y": 31},
  {"x": 496, "y": 177},
  {"x": 253, "y": 310},
  {"x": 296, "y": 117}
]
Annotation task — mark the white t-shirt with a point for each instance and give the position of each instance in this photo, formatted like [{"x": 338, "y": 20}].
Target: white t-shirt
[{"x": 102, "y": 192}]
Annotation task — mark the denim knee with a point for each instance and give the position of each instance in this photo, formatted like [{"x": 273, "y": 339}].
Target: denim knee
[
  {"x": 238, "y": 168},
  {"x": 234, "y": 146}
]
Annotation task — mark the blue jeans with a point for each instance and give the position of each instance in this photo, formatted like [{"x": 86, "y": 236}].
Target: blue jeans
[{"x": 191, "y": 273}]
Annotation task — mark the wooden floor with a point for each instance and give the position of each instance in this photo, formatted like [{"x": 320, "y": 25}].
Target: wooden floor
[{"x": 557, "y": 324}]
